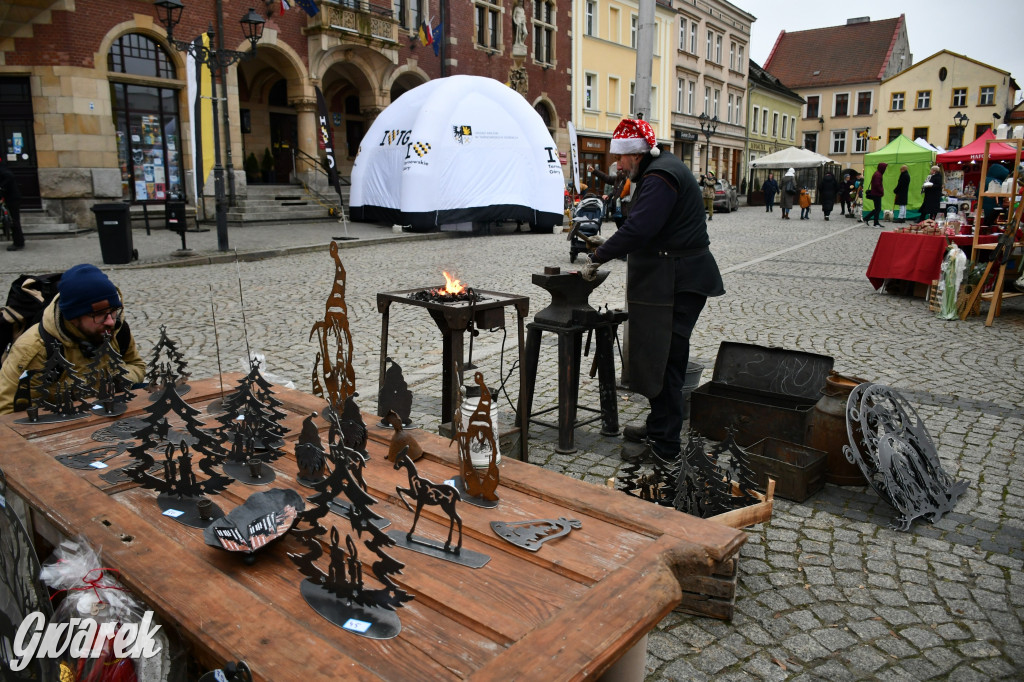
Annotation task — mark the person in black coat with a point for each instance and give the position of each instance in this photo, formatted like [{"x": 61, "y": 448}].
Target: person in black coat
[
  {"x": 932, "y": 190},
  {"x": 900, "y": 194},
  {"x": 827, "y": 190},
  {"x": 12, "y": 198},
  {"x": 770, "y": 188}
]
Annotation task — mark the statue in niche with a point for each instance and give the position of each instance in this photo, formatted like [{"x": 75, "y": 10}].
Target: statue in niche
[{"x": 519, "y": 24}]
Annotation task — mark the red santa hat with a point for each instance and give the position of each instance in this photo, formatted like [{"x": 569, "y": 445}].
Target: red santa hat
[{"x": 634, "y": 136}]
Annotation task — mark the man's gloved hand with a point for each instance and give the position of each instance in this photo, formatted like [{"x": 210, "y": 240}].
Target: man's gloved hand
[
  {"x": 589, "y": 270},
  {"x": 593, "y": 242}
]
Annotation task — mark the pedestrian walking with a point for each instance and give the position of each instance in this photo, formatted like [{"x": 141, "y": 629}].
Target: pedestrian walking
[
  {"x": 875, "y": 193},
  {"x": 805, "y": 204},
  {"x": 707, "y": 182},
  {"x": 827, "y": 190},
  {"x": 900, "y": 194},
  {"x": 769, "y": 188},
  {"x": 846, "y": 195},
  {"x": 670, "y": 273},
  {"x": 932, "y": 190},
  {"x": 11, "y": 195},
  {"x": 788, "y": 196}
]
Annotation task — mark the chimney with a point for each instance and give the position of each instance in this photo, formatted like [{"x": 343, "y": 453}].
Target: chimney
[{"x": 858, "y": 20}]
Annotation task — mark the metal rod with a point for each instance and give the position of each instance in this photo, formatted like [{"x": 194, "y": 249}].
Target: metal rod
[
  {"x": 216, "y": 338},
  {"x": 241, "y": 301}
]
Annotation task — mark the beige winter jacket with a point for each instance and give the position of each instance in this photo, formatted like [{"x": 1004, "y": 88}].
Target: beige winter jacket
[{"x": 29, "y": 352}]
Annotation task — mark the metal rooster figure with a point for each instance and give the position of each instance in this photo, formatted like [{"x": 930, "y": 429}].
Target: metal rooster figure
[{"x": 333, "y": 373}]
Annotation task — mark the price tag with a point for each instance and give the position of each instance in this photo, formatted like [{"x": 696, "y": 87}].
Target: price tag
[
  {"x": 97, "y": 406},
  {"x": 98, "y": 465},
  {"x": 356, "y": 625},
  {"x": 450, "y": 481},
  {"x": 173, "y": 513}
]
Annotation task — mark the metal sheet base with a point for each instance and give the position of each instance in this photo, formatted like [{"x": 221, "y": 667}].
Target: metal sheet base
[
  {"x": 343, "y": 507},
  {"x": 476, "y": 501},
  {"x": 51, "y": 418},
  {"x": 116, "y": 410},
  {"x": 465, "y": 557},
  {"x": 384, "y": 623},
  {"x": 240, "y": 472},
  {"x": 180, "y": 390},
  {"x": 188, "y": 505}
]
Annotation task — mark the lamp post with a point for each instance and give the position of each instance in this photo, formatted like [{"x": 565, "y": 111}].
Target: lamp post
[
  {"x": 708, "y": 126},
  {"x": 959, "y": 122},
  {"x": 217, "y": 60}
]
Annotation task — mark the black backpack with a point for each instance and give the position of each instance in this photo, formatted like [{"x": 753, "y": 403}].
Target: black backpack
[{"x": 26, "y": 301}]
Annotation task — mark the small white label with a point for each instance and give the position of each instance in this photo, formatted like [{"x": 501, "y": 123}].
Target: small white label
[
  {"x": 97, "y": 407},
  {"x": 220, "y": 676},
  {"x": 3, "y": 502},
  {"x": 450, "y": 481},
  {"x": 356, "y": 625},
  {"x": 173, "y": 513},
  {"x": 98, "y": 465},
  {"x": 23, "y": 374}
]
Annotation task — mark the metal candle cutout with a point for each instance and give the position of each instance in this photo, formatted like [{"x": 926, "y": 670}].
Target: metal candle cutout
[{"x": 56, "y": 388}]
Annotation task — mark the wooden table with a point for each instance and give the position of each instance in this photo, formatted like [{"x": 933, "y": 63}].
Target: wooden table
[
  {"x": 567, "y": 612},
  {"x": 912, "y": 257}
]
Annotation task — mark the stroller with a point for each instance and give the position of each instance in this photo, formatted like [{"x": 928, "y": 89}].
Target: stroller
[{"x": 586, "y": 222}]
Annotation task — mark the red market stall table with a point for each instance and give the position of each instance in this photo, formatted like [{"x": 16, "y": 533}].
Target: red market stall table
[
  {"x": 578, "y": 608},
  {"x": 913, "y": 257}
]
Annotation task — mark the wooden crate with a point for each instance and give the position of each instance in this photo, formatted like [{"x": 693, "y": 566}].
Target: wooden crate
[
  {"x": 712, "y": 595},
  {"x": 759, "y": 512}
]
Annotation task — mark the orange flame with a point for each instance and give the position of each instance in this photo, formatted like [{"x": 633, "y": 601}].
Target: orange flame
[{"x": 452, "y": 287}]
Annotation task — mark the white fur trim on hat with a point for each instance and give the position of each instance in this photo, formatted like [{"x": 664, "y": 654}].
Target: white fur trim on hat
[
  {"x": 629, "y": 145},
  {"x": 634, "y": 136}
]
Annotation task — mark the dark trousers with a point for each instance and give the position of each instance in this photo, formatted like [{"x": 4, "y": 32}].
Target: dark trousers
[
  {"x": 876, "y": 211},
  {"x": 769, "y": 203},
  {"x": 14, "y": 208},
  {"x": 665, "y": 422},
  {"x": 843, "y": 204}
]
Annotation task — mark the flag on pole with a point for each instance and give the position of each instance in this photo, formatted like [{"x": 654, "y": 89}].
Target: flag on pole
[
  {"x": 426, "y": 35},
  {"x": 199, "y": 95},
  {"x": 285, "y": 5},
  {"x": 326, "y": 141},
  {"x": 436, "y": 40},
  {"x": 309, "y": 6}
]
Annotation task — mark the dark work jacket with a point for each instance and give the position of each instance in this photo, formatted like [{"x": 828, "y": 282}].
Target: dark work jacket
[
  {"x": 827, "y": 190},
  {"x": 902, "y": 188},
  {"x": 932, "y": 195},
  {"x": 876, "y": 190},
  {"x": 668, "y": 254}
]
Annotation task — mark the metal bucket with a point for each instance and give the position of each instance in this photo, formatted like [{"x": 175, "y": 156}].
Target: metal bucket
[
  {"x": 690, "y": 382},
  {"x": 826, "y": 430}
]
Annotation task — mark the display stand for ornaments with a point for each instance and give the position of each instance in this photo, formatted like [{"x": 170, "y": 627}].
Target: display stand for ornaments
[
  {"x": 56, "y": 388},
  {"x": 181, "y": 490},
  {"x": 167, "y": 367},
  {"x": 428, "y": 494},
  {"x": 394, "y": 396},
  {"x": 342, "y": 595},
  {"x": 477, "y": 486}
]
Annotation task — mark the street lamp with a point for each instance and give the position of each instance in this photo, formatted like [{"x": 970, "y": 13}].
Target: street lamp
[
  {"x": 169, "y": 12},
  {"x": 707, "y": 126},
  {"x": 959, "y": 122}
]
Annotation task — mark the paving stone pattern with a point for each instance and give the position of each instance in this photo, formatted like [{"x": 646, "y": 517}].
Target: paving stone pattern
[{"x": 826, "y": 590}]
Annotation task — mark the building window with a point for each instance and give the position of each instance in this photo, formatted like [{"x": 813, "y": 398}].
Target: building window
[
  {"x": 488, "y": 25},
  {"x": 680, "y": 89},
  {"x": 959, "y": 97},
  {"x": 921, "y": 133},
  {"x": 838, "y": 142},
  {"x": 739, "y": 109},
  {"x": 811, "y": 142},
  {"x": 987, "y": 95},
  {"x": 894, "y": 133},
  {"x": 691, "y": 88},
  {"x": 613, "y": 95},
  {"x": 864, "y": 103},
  {"x": 718, "y": 49},
  {"x": 717, "y": 93},
  {"x": 632, "y": 31},
  {"x": 693, "y": 37},
  {"x": 924, "y": 99},
  {"x": 682, "y": 34},
  {"x": 754, "y": 119},
  {"x": 896, "y": 103},
  {"x": 632, "y": 98},
  {"x": 146, "y": 120},
  {"x": 590, "y": 19},
  {"x": 707, "y": 100},
  {"x": 980, "y": 128},
  {"x": 764, "y": 121},
  {"x": 728, "y": 110},
  {"x": 543, "y": 31},
  {"x": 860, "y": 141},
  {"x": 732, "y": 55},
  {"x": 740, "y": 63},
  {"x": 589, "y": 90},
  {"x": 775, "y": 124},
  {"x": 813, "y": 106},
  {"x": 955, "y": 138},
  {"x": 711, "y": 45},
  {"x": 792, "y": 130},
  {"x": 842, "y": 106}
]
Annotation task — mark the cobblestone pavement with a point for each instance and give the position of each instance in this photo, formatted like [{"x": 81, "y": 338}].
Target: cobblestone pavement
[{"x": 826, "y": 590}]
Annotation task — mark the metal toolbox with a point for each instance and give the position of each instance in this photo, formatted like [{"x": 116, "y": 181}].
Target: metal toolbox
[
  {"x": 760, "y": 392},
  {"x": 799, "y": 471}
]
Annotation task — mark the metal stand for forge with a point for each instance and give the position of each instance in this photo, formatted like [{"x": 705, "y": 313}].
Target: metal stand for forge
[
  {"x": 453, "y": 319},
  {"x": 569, "y": 316}
]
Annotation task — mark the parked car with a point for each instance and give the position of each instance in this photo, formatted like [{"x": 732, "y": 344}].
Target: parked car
[{"x": 726, "y": 197}]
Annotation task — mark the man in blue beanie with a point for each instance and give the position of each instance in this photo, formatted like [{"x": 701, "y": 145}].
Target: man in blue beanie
[{"x": 86, "y": 308}]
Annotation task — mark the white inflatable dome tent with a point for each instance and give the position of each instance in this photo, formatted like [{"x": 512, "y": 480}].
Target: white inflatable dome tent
[{"x": 457, "y": 150}]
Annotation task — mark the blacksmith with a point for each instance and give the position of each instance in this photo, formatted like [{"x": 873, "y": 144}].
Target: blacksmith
[{"x": 670, "y": 274}]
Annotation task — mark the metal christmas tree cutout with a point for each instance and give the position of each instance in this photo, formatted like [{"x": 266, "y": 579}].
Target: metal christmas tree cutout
[
  {"x": 426, "y": 493},
  {"x": 107, "y": 375},
  {"x": 394, "y": 395},
  {"x": 181, "y": 488},
  {"x": 342, "y": 594},
  {"x": 477, "y": 486},
  {"x": 167, "y": 367},
  {"x": 532, "y": 534},
  {"x": 334, "y": 377},
  {"x": 343, "y": 436},
  {"x": 56, "y": 388}
]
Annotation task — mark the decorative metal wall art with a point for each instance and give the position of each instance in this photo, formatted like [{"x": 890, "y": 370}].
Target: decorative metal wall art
[
  {"x": 265, "y": 516},
  {"x": 401, "y": 440},
  {"x": 394, "y": 395},
  {"x": 107, "y": 376},
  {"x": 342, "y": 594},
  {"x": 309, "y": 454},
  {"x": 532, "y": 534},
  {"x": 477, "y": 486},
  {"x": 890, "y": 444},
  {"x": 428, "y": 494},
  {"x": 56, "y": 388},
  {"x": 21, "y": 592},
  {"x": 180, "y": 488},
  {"x": 334, "y": 377},
  {"x": 167, "y": 367}
]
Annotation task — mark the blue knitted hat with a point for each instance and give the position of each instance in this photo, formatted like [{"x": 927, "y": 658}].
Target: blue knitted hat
[{"x": 85, "y": 289}]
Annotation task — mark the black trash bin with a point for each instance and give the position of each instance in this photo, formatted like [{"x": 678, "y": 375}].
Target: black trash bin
[
  {"x": 114, "y": 224},
  {"x": 175, "y": 216}
]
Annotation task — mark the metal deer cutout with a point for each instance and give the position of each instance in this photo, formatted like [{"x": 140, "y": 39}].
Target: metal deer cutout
[
  {"x": 426, "y": 493},
  {"x": 333, "y": 366}
]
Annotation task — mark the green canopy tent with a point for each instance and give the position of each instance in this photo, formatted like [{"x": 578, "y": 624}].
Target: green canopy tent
[{"x": 900, "y": 152}]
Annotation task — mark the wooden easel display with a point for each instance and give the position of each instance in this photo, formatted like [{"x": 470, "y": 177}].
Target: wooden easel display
[{"x": 1001, "y": 250}]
